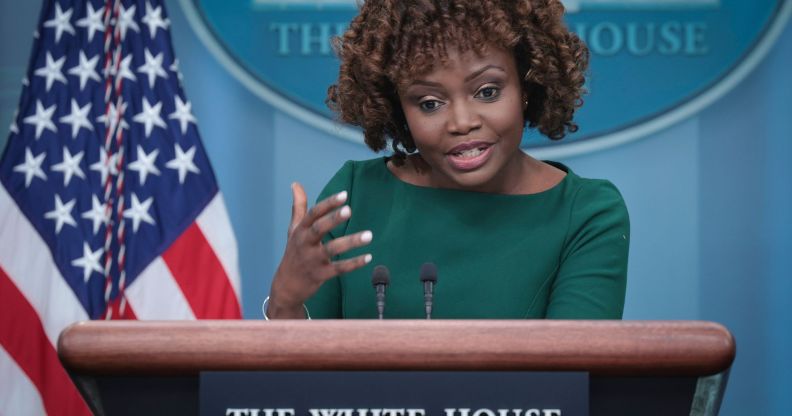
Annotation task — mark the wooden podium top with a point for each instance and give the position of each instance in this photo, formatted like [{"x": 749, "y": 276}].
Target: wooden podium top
[{"x": 646, "y": 348}]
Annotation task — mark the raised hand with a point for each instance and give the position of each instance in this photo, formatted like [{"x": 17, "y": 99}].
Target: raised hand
[{"x": 308, "y": 262}]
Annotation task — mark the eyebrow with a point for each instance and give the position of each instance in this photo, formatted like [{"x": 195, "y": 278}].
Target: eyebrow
[{"x": 467, "y": 78}]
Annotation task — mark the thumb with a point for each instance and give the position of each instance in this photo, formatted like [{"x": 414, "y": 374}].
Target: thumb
[{"x": 299, "y": 205}]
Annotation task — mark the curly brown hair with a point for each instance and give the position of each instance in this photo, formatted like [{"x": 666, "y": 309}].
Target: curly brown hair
[{"x": 393, "y": 41}]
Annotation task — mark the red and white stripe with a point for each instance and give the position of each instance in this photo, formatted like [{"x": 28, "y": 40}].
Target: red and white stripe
[
  {"x": 197, "y": 277},
  {"x": 167, "y": 288}
]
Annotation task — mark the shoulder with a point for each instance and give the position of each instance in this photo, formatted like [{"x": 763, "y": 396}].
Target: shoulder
[
  {"x": 596, "y": 194},
  {"x": 354, "y": 173},
  {"x": 366, "y": 167},
  {"x": 356, "y": 167},
  {"x": 590, "y": 195},
  {"x": 414, "y": 170},
  {"x": 597, "y": 209}
]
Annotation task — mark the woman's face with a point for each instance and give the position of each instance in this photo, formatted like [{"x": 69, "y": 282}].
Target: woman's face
[{"x": 466, "y": 119}]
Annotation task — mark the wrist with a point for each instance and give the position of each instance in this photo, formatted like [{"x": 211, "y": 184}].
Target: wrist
[{"x": 272, "y": 308}]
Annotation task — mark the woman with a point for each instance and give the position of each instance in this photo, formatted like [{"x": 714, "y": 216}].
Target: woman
[{"x": 450, "y": 85}]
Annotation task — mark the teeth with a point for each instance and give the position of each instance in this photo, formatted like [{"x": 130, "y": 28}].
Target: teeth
[{"x": 469, "y": 153}]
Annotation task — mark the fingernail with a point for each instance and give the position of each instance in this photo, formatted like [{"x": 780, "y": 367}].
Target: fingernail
[
  {"x": 345, "y": 211},
  {"x": 341, "y": 196},
  {"x": 367, "y": 258},
  {"x": 366, "y": 236}
]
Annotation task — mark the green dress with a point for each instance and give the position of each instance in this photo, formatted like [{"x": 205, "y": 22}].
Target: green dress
[{"x": 561, "y": 253}]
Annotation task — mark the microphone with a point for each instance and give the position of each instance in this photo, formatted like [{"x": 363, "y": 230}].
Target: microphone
[
  {"x": 429, "y": 279},
  {"x": 380, "y": 278}
]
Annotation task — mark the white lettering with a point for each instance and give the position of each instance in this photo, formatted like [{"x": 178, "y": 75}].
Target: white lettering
[
  {"x": 483, "y": 412},
  {"x": 308, "y": 38},
  {"x": 609, "y": 31},
  {"x": 694, "y": 39},
  {"x": 237, "y": 412},
  {"x": 357, "y": 412},
  {"x": 633, "y": 38},
  {"x": 645, "y": 38},
  {"x": 604, "y": 38},
  {"x": 283, "y": 30},
  {"x": 669, "y": 32},
  {"x": 551, "y": 412},
  {"x": 322, "y": 412}
]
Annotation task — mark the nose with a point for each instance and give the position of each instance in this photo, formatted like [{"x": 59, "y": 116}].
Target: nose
[{"x": 463, "y": 118}]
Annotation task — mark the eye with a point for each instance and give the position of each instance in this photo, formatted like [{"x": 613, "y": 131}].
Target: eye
[
  {"x": 429, "y": 105},
  {"x": 488, "y": 93}
]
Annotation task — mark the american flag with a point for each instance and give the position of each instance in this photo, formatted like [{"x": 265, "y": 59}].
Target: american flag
[{"x": 109, "y": 208}]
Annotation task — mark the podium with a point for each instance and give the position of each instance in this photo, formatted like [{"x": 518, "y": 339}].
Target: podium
[{"x": 635, "y": 367}]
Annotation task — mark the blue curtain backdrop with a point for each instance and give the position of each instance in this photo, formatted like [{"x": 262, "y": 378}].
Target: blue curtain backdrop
[{"x": 710, "y": 198}]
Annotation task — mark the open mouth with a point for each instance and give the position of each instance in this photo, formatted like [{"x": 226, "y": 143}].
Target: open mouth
[
  {"x": 470, "y": 156},
  {"x": 470, "y": 153}
]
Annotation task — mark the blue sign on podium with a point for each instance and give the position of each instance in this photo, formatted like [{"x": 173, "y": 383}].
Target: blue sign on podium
[{"x": 394, "y": 393}]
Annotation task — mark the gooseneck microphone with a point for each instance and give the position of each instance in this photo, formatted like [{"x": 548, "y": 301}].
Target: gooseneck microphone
[
  {"x": 380, "y": 278},
  {"x": 429, "y": 279}
]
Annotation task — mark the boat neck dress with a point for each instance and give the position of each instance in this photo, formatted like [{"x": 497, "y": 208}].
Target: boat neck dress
[{"x": 560, "y": 253}]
